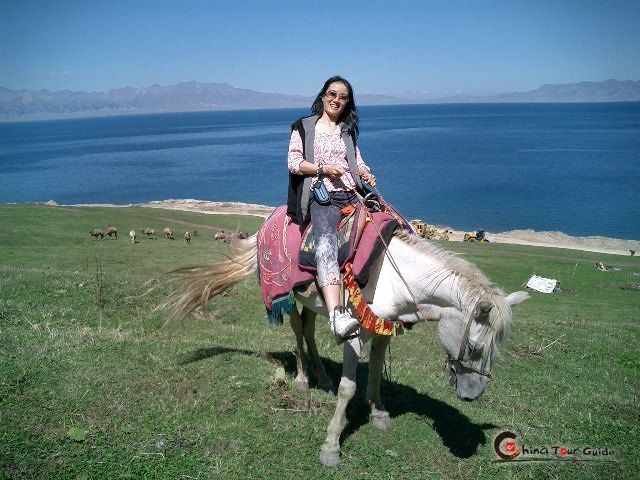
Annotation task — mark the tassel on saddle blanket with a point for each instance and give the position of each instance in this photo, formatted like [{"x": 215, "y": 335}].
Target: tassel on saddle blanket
[{"x": 279, "y": 253}]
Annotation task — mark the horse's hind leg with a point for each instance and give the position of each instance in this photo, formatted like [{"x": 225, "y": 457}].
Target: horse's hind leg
[
  {"x": 302, "y": 380},
  {"x": 309, "y": 328},
  {"x": 379, "y": 416}
]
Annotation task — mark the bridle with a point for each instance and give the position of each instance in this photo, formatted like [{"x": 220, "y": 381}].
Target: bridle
[{"x": 463, "y": 348}]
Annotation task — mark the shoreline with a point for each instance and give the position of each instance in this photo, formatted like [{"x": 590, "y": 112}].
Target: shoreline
[{"x": 596, "y": 244}]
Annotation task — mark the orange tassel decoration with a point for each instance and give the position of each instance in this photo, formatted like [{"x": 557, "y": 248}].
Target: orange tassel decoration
[{"x": 365, "y": 315}]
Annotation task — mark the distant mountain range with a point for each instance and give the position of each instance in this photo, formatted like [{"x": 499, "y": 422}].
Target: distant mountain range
[
  {"x": 194, "y": 96},
  {"x": 607, "y": 91}
]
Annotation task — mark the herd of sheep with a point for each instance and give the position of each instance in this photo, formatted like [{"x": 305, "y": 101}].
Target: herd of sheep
[{"x": 168, "y": 233}]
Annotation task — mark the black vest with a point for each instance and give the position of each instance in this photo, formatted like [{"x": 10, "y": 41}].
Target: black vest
[
  {"x": 294, "y": 196},
  {"x": 296, "y": 191}
]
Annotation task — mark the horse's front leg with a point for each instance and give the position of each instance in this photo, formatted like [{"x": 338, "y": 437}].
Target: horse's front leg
[
  {"x": 302, "y": 380},
  {"x": 309, "y": 329},
  {"x": 379, "y": 416},
  {"x": 330, "y": 452}
]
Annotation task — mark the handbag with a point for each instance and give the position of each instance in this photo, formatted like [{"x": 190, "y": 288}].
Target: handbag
[{"x": 321, "y": 193}]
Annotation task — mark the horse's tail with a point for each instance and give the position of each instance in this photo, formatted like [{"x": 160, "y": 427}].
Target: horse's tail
[{"x": 196, "y": 284}]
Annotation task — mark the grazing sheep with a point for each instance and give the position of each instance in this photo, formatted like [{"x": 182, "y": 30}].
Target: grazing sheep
[
  {"x": 96, "y": 233},
  {"x": 112, "y": 231},
  {"x": 222, "y": 235},
  {"x": 187, "y": 237},
  {"x": 132, "y": 236},
  {"x": 168, "y": 232},
  {"x": 243, "y": 235},
  {"x": 149, "y": 232}
]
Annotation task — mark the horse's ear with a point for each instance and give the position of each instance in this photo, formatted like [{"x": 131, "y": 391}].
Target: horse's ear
[
  {"x": 483, "y": 308},
  {"x": 517, "y": 298}
]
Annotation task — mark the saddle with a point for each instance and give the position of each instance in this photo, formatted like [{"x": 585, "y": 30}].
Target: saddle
[{"x": 286, "y": 259}]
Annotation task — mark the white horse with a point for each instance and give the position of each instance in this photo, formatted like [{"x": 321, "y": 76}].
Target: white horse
[{"x": 413, "y": 281}]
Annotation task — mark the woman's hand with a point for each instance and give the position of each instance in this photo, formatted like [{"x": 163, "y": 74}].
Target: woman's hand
[
  {"x": 368, "y": 178},
  {"x": 334, "y": 172}
]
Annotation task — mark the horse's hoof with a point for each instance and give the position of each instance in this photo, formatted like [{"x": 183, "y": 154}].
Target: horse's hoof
[
  {"x": 382, "y": 423},
  {"x": 302, "y": 385},
  {"x": 329, "y": 459}
]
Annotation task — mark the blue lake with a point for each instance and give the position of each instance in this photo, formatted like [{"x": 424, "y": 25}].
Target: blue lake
[{"x": 568, "y": 167}]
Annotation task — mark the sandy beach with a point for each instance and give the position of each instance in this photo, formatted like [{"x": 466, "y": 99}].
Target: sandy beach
[{"x": 598, "y": 244}]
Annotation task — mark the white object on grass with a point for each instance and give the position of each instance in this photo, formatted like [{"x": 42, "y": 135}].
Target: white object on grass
[{"x": 541, "y": 284}]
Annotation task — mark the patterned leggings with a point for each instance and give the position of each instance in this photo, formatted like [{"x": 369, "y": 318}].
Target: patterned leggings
[{"x": 325, "y": 220}]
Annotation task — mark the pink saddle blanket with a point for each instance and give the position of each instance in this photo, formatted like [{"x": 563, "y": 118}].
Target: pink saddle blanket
[{"x": 279, "y": 242}]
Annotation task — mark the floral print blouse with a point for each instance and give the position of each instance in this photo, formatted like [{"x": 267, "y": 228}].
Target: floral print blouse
[{"x": 328, "y": 149}]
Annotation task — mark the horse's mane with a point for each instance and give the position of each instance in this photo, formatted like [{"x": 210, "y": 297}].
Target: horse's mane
[
  {"x": 466, "y": 270},
  {"x": 474, "y": 284}
]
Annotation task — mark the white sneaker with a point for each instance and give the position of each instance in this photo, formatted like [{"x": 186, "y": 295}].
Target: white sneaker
[{"x": 342, "y": 324}]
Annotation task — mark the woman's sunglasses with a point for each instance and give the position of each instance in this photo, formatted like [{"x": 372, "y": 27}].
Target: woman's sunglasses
[{"x": 335, "y": 96}]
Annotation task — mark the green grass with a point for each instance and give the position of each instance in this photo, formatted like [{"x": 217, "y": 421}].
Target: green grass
[{"x": 81, "y": 348}]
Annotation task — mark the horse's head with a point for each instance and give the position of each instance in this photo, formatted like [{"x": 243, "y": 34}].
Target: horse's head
[
  {"x": 468, "y": 347},
  {"x": 470, "y": 339}
]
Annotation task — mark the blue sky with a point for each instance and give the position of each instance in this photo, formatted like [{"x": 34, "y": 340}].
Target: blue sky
[{"x": 402, "y": 48}]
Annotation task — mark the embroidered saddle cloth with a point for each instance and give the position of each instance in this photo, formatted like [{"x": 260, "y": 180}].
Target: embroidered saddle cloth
[{"x": 281, "y": 246}]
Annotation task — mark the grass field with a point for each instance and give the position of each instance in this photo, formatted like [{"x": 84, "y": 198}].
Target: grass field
[{"x": 92, "y": 387}]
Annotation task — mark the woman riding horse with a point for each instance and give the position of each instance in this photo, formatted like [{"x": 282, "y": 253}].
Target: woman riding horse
[{"x": 325, "y": 169}]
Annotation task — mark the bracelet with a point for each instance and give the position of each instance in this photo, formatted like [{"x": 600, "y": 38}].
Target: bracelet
[{"x": 319, "y": 170}]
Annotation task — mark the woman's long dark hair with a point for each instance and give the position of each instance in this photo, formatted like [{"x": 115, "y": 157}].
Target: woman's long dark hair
[{"x": 349, "y": 116}]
